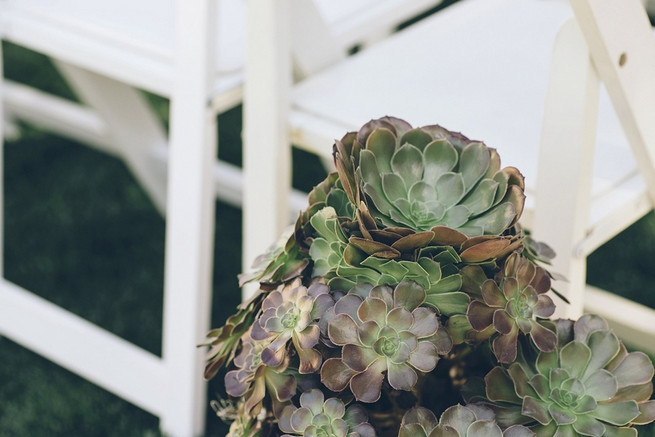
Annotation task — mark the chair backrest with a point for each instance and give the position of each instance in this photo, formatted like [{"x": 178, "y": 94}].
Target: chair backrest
[
  {"x": 621, "y": 43},
  {"x": 485, "y": 73},
  {"x": 606, "y": 43}
]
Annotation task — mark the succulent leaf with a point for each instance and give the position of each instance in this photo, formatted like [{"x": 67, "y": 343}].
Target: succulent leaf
[
  {"x": 223, "y": 342},
  {"x": 573, "y": 390}
]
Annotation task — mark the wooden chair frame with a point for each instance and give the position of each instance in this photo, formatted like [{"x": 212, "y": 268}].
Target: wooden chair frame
[
  {"x": 178, "y": 170},
  {"x": 609, "y": 43},
  {"x": 170, "y": 387},
  {"x": 615, "y": 46}
]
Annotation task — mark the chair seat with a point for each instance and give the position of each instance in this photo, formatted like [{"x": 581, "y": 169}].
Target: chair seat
[
  {"x": 133, "y": 41},
  {"x": 354, "y": 21},
  {"x": 498, "y": 98},
  {"x": 129, "y": 40}
]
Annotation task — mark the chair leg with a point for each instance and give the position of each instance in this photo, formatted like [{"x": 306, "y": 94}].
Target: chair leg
[
  {"x": 188, "y": 264},
  {"x": 189, "y": 221},
  {"x": 566, "y": 162},
  {"x": 2, "y": 164},
  {"x": 134, "y": 128},
  {"x": 266, "y": 151}
]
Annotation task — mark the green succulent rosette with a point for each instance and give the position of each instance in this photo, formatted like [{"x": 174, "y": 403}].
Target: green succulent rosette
[
  {"x": 457, "y": 421},
  {"x": 419, "y": 178},
  {"x": 588, "y": 385},
  {"x": 320, "y": 417}
]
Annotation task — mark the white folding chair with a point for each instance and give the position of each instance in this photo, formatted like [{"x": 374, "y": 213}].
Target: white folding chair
[
  {"x": 482, "y": 67},
  {"x": 610, "y": 43},
  {"x": 103, "y": 64},
  {"x": 191, "y": 53}
]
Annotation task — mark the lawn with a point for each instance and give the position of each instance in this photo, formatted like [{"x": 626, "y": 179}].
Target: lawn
[{"x": 82, "y": 233}]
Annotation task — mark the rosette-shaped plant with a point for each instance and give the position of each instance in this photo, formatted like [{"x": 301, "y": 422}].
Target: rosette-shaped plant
[
  {"x": 319, "y": 417},
  {"x": 291, "y": 314},
  {"x": 386, "y": 332},
  {"x": 589, "y": 385},
  {"x": 252, "y": 379},
  {"x": 510, "y": 304},
  {"x": 426, "y": 177},
  {"x": 344, "y": 266},
  {"x": 457, "y": 421}
]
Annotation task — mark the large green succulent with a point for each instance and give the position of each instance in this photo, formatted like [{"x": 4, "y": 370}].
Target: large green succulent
[
  {"x": 386, "y": 332},
  {"x": 419, "y": 178},
  {"x": 457, "y": 421},
  {"x": 589, "y": 385}
]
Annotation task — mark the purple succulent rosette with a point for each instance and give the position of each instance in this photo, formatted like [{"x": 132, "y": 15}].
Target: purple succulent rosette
[
  {"x": 252, "y": 379},
  {"x": 319, "y": 417},
  {"x": 291, "y": 314},
  {"x": 512, "y": 303},
  {"x": 387, "y": 331}
]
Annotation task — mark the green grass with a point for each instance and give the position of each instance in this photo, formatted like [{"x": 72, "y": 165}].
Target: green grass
[{"x": 82, "y": 233}]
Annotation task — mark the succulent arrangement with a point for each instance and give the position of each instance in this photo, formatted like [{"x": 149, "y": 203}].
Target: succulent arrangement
[{"x": 408, "y": 301}]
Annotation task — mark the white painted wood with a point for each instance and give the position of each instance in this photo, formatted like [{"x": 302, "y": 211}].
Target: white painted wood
[
  {"x": 565, "y": 160},
  {"x": 266, "y": 154},
  {"x": 83, "y": 124},
  {"x": 2, "y": 159},
  {"x": 105, "y": 48},
  {"x": 82, "y": 347},
  {"x": 189, "y": 221},
  {"x": 621, "y": 43},
  {"x": 114, "y": 39},
  {"x": 633, "y": 322},
  {"x": 614, "y": 222},
  {"x": 54, "y": 114},
  {"x": 489, "y": 81},
  {"x": 397, "y": 77},
  {"x": 367, "y": 21},
  {"x": 133, "y": 126},
  {"x": 312, "y": 43}
]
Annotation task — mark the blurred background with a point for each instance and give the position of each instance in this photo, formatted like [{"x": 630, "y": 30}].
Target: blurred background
[{"x": 82, "y": 233}]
